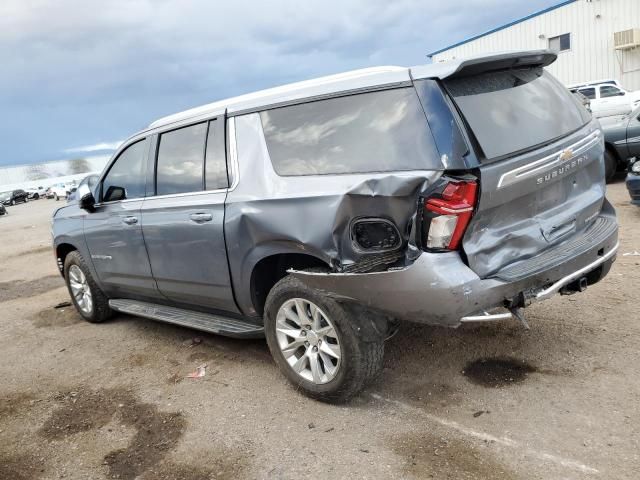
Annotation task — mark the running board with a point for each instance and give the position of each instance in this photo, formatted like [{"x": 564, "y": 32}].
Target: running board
[{"x": 206, "y": 322}]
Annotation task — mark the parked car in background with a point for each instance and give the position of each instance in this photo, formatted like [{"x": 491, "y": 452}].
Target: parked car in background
[
  {"x": 609, "y": 81},
  {"x": 3, "y": 210},
  {"x": 633, "y": 182},
  {"x": 90, "y": 181},
  {"x": 609, "y": 99},
  {"x": 60, "y": 190},
  {"x": 36, "y": 193},
  {"x": 13, "y": 197},
  {"x": 321, "y": 213},
  {"x": 622, "y": 142}
]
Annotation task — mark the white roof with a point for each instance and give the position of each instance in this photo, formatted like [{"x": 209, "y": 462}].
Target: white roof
[{"x": 366, "y": 78}]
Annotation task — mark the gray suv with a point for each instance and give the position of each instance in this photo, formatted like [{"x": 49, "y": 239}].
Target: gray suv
[{"x": 320, "y": 214}]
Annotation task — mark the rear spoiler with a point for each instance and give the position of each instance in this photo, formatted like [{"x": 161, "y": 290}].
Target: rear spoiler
[{"x": 486, "y": 63}]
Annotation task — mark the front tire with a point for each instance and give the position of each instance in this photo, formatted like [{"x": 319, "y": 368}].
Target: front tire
[
  {"x": 317, "y": 344},
  {"x": 90, "y": 302},
  {"x": 55, "y": 196}
]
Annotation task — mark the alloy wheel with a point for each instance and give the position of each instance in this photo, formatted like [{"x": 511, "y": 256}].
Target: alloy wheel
[
  {"x": 80, "y": 289},
  {"x": 308, "y": 340}
]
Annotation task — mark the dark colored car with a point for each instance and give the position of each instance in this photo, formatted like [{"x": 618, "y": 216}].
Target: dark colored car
[
  {"x": 320, "y": 214},
  {"x": 13, "y": 197},
  {"x": 633, "y": 182},
  {"x": 622, "y": 141}
]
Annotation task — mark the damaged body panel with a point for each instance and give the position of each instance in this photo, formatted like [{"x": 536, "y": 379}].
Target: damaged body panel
[{"x": 270, "y": 215}]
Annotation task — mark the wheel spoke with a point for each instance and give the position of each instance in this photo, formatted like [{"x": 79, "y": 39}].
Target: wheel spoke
[
  {"x": 293, "y": 347},
  {"x": 316, "y": 370},
  {"x": 88, "y": 301},
  {"x": 289, "y": 314},
  {"x": 288, "y": 331},
  {"x": 327, "y": 331},
  {"x": 300, "y": 364},
  {"x": 301, "y": 308},
  {"x": 329, "y": 368},
  {"x": 316, "y": 317},
  {"x": 330, "y": 349}
]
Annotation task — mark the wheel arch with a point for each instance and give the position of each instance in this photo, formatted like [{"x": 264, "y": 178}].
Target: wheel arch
[
  {"x": 270, "y": 268},
  {"x": 61, "y": 252}
]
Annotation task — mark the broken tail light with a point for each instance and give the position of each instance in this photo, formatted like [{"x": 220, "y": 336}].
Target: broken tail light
[{"x": 447, "y": 214}]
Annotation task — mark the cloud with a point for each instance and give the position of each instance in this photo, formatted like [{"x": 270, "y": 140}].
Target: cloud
[
  {"x": 81, "y": 73},
  {"x": 96, "y": 147}
]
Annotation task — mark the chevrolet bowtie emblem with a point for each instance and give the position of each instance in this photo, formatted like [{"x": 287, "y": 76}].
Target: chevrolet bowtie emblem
[{"x": 566, "y": 155}]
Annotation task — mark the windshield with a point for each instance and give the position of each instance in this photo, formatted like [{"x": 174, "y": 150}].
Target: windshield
[
  {"x": 5, "y": 195},
  {"x": 515, "y": 110}
]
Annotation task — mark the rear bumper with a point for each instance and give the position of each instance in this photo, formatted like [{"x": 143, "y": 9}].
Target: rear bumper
[
  {"x": 439, "y": 289},
  {"x": 633, "y": 185}
]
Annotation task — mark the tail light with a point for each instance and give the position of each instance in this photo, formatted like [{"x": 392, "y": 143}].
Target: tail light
[{"x": 447, "y": 214}]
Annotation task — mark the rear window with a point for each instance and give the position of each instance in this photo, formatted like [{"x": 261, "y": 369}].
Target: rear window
[
  {"x": 370, "y": 132},
  {"x": 516, "y": 110}
]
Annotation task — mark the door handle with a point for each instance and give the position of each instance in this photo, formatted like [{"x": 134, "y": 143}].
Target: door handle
[
  {"x": 201, "y": 217},
  {"x": 130, "y": 220}
]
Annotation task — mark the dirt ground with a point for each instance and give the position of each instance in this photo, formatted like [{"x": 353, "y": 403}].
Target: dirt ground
[{"x": 82, "y": 401}]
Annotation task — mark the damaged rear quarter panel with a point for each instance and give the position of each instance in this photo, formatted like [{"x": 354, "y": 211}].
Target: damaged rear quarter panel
[{"x": 267, "y": 214}]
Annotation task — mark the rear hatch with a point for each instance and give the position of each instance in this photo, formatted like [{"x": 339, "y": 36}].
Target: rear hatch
[{"x": 540, "y": 164}]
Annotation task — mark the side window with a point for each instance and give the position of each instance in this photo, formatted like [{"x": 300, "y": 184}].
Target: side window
[
  {"x": 590, "y": 93},
  {"x": 369, "y": 132},
  {"x": 126, "y": 178},
  {"x": 610, "y": 91},
  {"x": 181, "y": 160},
  {"x": 216, "y": 162}
]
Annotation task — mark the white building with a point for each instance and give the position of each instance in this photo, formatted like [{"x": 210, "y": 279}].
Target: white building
[{"x": 596, "y": 40}]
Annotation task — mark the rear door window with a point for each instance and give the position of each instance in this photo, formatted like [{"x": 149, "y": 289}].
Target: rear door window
[
  {"x": 370, "y": 132},
  {"x": 516, "y": 110},
  {"x": 180, "y": 163}
]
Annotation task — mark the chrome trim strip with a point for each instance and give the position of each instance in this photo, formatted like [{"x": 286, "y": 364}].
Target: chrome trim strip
[
  {"x": 553, "y": 289},
  {"x": 486, "y": 317},
  {"x": 549, "y": 161}
]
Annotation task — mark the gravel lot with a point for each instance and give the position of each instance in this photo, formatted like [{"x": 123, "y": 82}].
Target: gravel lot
[{"x": 81, "y": 401}]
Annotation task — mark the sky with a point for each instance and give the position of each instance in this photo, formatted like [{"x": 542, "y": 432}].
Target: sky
[{"x": 79, "y": 76}]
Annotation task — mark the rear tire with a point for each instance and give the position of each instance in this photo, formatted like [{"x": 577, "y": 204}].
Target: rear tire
[
  {"x": 26, "y": 199},
  {"x": 610, "y": 166},
  {"x": 99, "y": 311},
  {"x": 359, "y": 359},
  {"x": 36, "y": 197},
  {"x": 13, "y": 203}
]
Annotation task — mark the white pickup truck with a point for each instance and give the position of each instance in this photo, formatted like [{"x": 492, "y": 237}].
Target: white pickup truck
[{"x": 609, "y": 99}]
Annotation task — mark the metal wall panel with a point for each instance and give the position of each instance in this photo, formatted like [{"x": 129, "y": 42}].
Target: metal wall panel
[{"x": 591, "y": 25}]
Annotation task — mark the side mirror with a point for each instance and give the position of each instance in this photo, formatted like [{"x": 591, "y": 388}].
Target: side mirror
[
  {"x": 115, "y": 193},
  {"x": 87, "y": 202}
]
